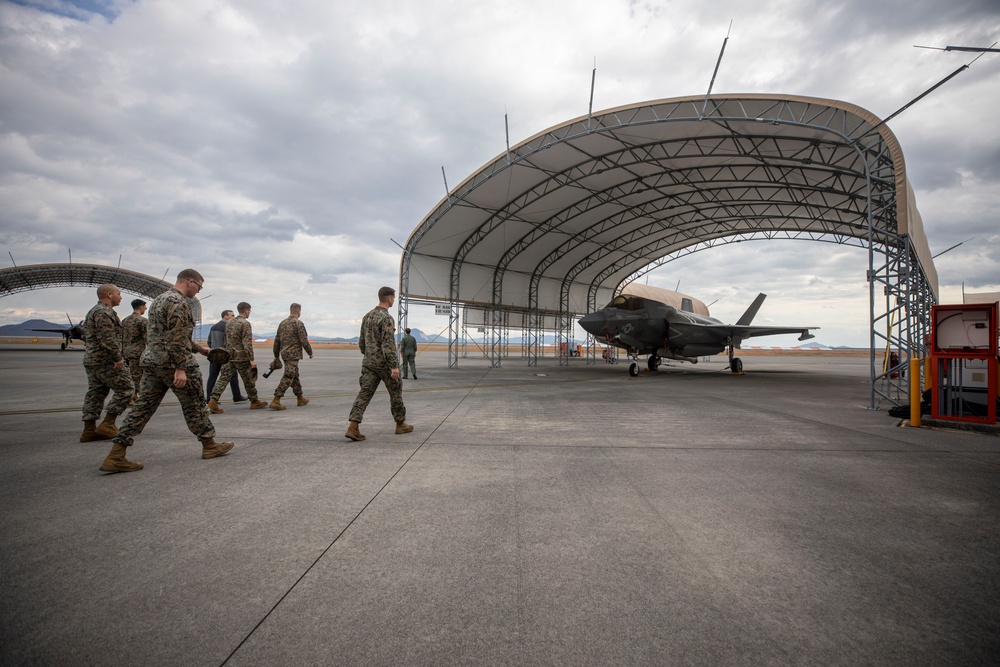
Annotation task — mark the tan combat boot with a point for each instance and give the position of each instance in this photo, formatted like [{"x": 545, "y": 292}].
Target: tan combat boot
[
  {"x": 90, "y": 433},
  {"x": 276, "y": 404},
  {"x": 403, "y": 427},
  {"x": 211, "y": 449},
  {"x": 301, "y": 400},
  {"x": 257, "y": 404},
  {"x": 107, "y": 427},
  {"x": 213, "y": 407},
  {"x": 116, "y": 461},
  {"x": 353, "y": 433}
]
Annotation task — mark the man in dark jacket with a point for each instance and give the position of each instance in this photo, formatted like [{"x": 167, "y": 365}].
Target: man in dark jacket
[{"x": 217, "y": 338}]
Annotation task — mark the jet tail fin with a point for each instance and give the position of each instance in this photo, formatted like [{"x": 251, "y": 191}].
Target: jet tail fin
[{"x": 751, "y": 312}]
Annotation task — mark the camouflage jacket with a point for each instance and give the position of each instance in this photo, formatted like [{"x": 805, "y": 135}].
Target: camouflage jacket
[
  {"x": 378, "y": 339},
  {"x": 291, "y": 339},
  {"x": 102, "y": 335},
  {"x": 239, "y": 339},
  {"x": 171, "y": 325},
  {"x": 134, "y": 335}
]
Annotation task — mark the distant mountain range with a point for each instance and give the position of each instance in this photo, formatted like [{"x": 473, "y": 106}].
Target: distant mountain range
[
  {"x": 201, "y": 333},
  {"x": 25, "y": 328}
]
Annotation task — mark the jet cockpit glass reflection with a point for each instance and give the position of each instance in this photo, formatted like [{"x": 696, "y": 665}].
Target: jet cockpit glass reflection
[{"x": 626, "y": 302}]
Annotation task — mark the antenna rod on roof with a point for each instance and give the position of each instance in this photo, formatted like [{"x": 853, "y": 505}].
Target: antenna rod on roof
[
  {"x": 717, "y": 63},
  {"x": 12, "y": 259},
  {"x": 70, "y": 255},
  {"x": 446, "y": 190},
  {"x": 917, "y": 99},
  {"x": 593, "y": 78},
  {"x": 951, "y": 248},
  {"x": 165, "y": 274},
  {"x": 506, "y": 129},
  {"x": 970, "y": 49}
]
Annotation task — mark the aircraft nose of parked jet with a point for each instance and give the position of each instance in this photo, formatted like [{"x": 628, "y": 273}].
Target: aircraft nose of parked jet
[{"x": 594, "y": 323}]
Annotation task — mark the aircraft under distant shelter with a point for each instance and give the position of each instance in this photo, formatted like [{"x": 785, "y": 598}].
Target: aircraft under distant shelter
[
  {"x": 73, "y": 332},
  {"x": 667, "y": 324}
]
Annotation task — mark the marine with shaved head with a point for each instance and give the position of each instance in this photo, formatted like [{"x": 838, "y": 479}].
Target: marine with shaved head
[{"x": 105, "y": 365}]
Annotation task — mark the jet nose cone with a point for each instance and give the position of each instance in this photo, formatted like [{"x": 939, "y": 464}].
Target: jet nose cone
[{"x": 594, "y": 323}]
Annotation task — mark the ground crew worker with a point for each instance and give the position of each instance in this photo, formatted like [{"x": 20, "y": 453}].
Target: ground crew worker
[
  {"x": 378, "y": 344},
  {"x": 134, "y": 341},
  {"x": 168, "y": 363},
  {"x": 105, "y": 366},
  {"x": 239, "y": 343},
  {"x": 408, "y": 350},
  {"x": 289, "y": 342}
]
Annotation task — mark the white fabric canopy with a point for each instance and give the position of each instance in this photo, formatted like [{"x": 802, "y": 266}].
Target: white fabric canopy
[{"x": 563, "y": 219}]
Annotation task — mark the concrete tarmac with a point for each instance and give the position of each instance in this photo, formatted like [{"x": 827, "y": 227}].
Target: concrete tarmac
[{"x": 536, "y": 516}]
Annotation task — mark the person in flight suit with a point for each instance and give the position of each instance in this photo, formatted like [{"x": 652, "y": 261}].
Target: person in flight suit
[
  {"x": 378, "y": 344},
  {"x": 408, "y": 351}
]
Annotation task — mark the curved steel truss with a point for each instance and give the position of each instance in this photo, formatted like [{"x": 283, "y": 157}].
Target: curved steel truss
[
  {"x": 555, "y": 226},
  {"x": 41, "y": 276}
]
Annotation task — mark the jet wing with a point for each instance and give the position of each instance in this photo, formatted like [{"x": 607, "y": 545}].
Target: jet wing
[
  {"x": 742, "y": 331},
  {"x": 58, "y": 331}
]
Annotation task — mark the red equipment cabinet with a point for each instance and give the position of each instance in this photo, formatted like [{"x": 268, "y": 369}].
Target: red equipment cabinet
[{"x": 964, "y": 343}]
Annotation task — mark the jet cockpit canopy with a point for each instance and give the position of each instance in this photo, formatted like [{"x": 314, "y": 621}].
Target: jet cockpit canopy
[{"x": 627, "y": 302}]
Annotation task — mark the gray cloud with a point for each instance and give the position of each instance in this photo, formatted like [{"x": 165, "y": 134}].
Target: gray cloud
[{"x": 294, "y": 140}]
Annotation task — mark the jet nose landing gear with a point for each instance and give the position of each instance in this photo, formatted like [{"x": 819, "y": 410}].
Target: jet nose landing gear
[{"x": 633, "y": 369}]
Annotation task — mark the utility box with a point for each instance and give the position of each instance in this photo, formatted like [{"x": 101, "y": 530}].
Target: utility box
[
  {"x": 966, "y": 330},
  {"x": 964, "y": 341}
]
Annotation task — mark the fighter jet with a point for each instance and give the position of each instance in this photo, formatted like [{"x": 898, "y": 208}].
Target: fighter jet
[
  {"x": 75, "y": 331},
  {"x": 681, "y": 329}
]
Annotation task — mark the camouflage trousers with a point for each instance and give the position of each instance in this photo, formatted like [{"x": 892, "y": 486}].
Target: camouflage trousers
[
  {"x": 289, "y": 379},
  {"x": 135, "y": 370},
  {"x": 369, "y": 381},
  {"x": 156, "y": 380},
  {"x": 241, "y": 367},
  {"x": 101, "y": 380},
  {"x": 409, "y": 362}
]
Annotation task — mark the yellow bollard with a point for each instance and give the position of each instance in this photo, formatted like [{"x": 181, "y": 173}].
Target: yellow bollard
[{"x": 914, "y": 392}]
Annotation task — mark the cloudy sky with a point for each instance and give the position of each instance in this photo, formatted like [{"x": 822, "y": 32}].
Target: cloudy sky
[{"x": 283, "y": 148}]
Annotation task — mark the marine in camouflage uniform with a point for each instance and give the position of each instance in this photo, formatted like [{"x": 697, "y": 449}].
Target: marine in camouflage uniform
[
  {"x": 134, "y": 340},
  {"x": 168, "y": 364},
  {"x": 105, "y": 366},
  {"x": 289, "y": 342},
  {"x": 378, "y": 344},
  {"x": 239, "y": 344}
]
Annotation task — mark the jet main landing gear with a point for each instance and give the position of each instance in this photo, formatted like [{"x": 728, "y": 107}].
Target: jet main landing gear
[{"x": 735, "y": 363}]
